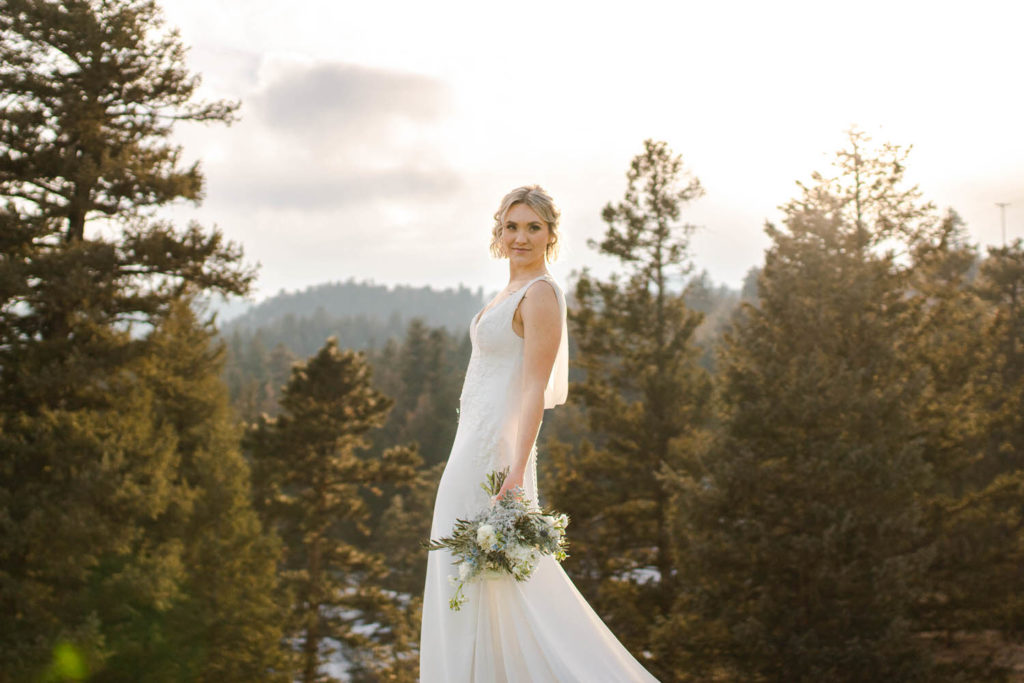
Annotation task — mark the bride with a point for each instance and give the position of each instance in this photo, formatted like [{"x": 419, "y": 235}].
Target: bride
[{"x": 541, "y": 629}]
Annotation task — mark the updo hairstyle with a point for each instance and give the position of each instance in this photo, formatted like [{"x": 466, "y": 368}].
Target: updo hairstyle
[{"x": 541, "y": 202}]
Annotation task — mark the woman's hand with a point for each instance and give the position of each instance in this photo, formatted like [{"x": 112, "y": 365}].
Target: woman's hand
[{"x": 514, "y": 479}]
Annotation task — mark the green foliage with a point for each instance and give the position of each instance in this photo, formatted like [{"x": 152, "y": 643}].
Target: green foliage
[
  {"x": 92, "y": 90},
  {"x": 129, "y": 545},
  {"x": 76, "y": 487},
  {"x": 314, "y": 486},
  {"x": 255, "y": 375},
  {"x": 428, "y": 368},
  {"x": 717, "y": 305},
  {"x": 133, "y": 519},
  {"x": 971, "y": 414},
  {"x": 227, "y": 620},
  {"x": 421, "y": 366},
  {"x": 644, "y": 395},
  {"x": 806, "y": 546}
]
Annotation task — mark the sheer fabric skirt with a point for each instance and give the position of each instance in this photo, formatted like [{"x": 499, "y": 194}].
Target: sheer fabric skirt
[{"x": 510, "y": 631}]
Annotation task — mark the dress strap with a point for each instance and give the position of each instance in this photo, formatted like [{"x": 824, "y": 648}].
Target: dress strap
[
  {"x": 557, "y": 387},
  {"x": 522, "y": 290},
  {"x": 521, "y": 293}
]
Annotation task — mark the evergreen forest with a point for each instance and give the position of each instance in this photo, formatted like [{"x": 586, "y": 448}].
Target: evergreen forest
[{"x": 819, "y": 477}]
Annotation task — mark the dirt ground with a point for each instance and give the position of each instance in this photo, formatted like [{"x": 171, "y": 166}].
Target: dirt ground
[{"x": 981, "y": 649}]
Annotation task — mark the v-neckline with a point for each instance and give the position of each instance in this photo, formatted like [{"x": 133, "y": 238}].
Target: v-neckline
[{"x": 491, "y": 306}]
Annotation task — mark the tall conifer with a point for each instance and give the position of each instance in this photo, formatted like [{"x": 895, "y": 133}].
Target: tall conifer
[
  {"x": 805, "y": 540},
  {"x": 226, "y": 625},
  {"x": 644, "y": 395},
  {"x": 316, "y": 485},
  {"x": 90, "y": 93},
  {"x": 976, "y": 413}
]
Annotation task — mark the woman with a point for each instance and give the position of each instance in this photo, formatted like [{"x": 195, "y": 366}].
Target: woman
[{"x": 541, "y": 629}]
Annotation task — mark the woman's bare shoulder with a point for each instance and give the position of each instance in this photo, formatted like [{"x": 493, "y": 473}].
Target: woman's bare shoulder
[{"x": 541, "y": 296}]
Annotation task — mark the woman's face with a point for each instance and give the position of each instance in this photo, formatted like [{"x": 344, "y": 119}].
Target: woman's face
[{"x": 525, "y": 236}]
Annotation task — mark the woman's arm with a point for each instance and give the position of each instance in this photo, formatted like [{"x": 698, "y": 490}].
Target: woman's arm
[{"x": 542, "y": 330}]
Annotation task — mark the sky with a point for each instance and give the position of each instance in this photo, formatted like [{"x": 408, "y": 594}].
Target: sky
[{"x": 376, "y": 139}]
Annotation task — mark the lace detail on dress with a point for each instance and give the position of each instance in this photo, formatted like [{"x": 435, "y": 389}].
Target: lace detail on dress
[
  {"x": 482, "y": 408},
  {"x": 492, "y": 378},
  {"x": 530, "y": 483}
]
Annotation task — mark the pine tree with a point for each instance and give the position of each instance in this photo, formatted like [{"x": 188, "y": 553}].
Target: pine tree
[
  {"x": 425, "y": 410},
  {"x": 254, "y": 375},
  {"x": 805, "y": 540},
  {"x": 969, "y": 417},
  {"x": 226, "y": 625},
  {"x": 1001, "y": 286},
  {"x": 977, "y": 425},
  {"x": 76, "y": 488},
  {"x": 644, "y": 395},
  {"x": 91, "y": 90},
  {"x": 944, "y": 347},
  {"x": 316, "y": 488},
  {"x": 749, "y": 290}
]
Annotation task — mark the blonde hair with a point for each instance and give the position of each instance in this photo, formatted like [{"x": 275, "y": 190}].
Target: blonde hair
[{"x": 541, "y": 202}]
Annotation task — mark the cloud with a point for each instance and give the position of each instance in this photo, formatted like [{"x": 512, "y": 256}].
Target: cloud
[
  {"x": 330, "y": 135},
  {"x": 316, "y": 190},
  {"x": 351, "y": 97}
]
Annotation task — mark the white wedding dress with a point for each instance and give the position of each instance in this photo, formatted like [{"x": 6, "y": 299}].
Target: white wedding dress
[{"x": 533, "y": 631}]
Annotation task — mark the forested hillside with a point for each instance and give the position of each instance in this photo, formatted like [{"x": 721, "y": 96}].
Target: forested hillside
[
  {"x": 329, "y": 302},
  {"x": 816, "y": 478},
  {"x": 263, "y": 344}
]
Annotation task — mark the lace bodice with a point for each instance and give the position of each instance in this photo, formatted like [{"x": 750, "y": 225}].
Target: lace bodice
[{"x": 490, "y": 400}]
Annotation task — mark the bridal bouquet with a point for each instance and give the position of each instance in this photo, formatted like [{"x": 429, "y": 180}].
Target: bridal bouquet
[{"x": 506, "y": 539}]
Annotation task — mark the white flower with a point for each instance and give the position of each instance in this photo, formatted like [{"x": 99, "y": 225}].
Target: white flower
[
  {"x": 463, "y": 570},
  {"x": 485, "y": 536},
  {"x": 514, "y": 552},
  {"x": 523, "y": 558}
]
